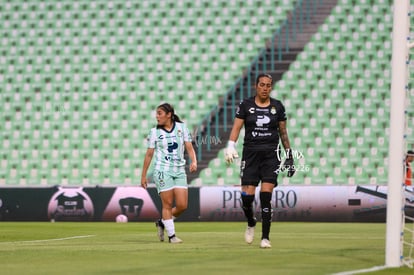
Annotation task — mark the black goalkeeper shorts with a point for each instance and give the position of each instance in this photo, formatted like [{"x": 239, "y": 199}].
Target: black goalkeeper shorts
[{"x": 259, "y": 166}]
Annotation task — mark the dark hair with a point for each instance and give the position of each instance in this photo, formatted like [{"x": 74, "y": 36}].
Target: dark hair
[
  {"x": 168, "y": 108},
  {"x": 263, "y": 75},
  {"x": 410, "y": 152}
]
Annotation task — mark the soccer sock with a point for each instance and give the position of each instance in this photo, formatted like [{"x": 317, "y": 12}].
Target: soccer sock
[
  {"x": 265, "y": 198},
  {"x": 247, "y": 201},
  {"x": 169, "y": 227}
]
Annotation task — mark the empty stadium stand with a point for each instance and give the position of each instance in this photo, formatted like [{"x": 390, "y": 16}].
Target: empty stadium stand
[
  {"x": 336, "y": 95},
  {"x": 80, "y": 81}
]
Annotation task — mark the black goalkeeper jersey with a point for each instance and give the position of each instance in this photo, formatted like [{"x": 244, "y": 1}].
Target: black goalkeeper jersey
[{"x": 261, "y": 123}]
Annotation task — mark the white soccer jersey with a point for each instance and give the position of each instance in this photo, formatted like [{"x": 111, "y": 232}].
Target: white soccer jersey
[{"x": 169, "y": 147}]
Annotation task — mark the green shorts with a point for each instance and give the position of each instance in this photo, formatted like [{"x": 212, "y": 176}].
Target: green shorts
[{"x": 166, "y": 180}]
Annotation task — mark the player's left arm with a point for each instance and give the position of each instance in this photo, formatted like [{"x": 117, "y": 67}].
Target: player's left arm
[
  {"x": 284, "y": 136},
  {"x": 289, "y": 165},
  {"x": 191, "y": 153}
]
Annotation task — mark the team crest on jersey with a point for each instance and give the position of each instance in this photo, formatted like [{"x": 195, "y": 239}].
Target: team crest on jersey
[
  {"x": 179, "y": 133},
  {"x": 273, "y": 110},
  {"x": 162, "y": 183}
]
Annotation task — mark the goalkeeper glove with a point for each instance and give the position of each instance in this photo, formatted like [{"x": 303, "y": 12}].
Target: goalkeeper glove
[
  {"x": 230, "y": 152},
  {"x": 289, "y": 165}
]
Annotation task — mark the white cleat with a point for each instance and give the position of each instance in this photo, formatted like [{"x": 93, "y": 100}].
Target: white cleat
[
  {"x": 249, "y": 234},
  {"x": 265, "y": 243},
  {"x": 175, "y": 240}
]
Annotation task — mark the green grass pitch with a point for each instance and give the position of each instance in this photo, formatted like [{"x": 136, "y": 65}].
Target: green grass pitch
[{"x": 208, "y": 248}]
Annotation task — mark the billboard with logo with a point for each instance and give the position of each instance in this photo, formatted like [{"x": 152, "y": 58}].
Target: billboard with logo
[
  {"x": 60, "y": 203},
  {"x": 211, "y": 203},
  {"x": 300, "y": 203}
]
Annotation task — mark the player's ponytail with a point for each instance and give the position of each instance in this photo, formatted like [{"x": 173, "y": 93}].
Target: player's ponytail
[
  {"x": 176, "y": 118},
  {"x": 166, "y": 107}
]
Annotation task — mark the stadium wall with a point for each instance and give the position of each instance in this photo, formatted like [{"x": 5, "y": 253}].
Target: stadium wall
[{"x": 212, "y": 203}]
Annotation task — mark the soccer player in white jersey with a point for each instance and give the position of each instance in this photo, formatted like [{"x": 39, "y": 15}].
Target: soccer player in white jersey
[
  {"x": 264, "y": 120},
  {"x": 167, "y": 142}
]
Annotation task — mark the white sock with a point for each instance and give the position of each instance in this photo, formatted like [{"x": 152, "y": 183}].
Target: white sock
[{"x": 169, "y": 227}]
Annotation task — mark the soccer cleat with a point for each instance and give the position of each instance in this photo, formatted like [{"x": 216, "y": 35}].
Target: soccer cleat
[
  {"x": 160, "y": 229},
  {"x": 174, "y": 239},
  {"x": 265, "y": 243},
  {"x": 249, "y": 234}
]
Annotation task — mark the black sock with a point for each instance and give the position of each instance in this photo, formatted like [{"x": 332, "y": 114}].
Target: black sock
[
  {"x": 265, "y": 198},
  {"x": 160, "y": 223},
  {"x": 248, "y": 209}
]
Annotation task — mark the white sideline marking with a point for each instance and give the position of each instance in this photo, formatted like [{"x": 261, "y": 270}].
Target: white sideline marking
[
  {"x": 52, "y": 240},
  {"x": 375, "y": 268}
]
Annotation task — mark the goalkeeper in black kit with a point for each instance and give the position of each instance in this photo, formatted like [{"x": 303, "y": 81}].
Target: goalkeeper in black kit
[{"x": 264, "y": 119}]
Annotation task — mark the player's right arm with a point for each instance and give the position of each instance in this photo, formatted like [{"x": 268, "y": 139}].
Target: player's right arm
[
  {"x": 230, "y": 153},
  {"x": 147, "y": 161},
  {"x": 235, "y": 131}
]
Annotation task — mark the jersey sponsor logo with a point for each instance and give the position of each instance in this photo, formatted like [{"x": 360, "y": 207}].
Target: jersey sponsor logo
[
  {"x": 172, "y": 158},
  {"x": 172, "y": 146},
  {"x": 258, "y": 134},
  {"x": 261, "y": 120},
  {"x": 169, "y": 136}
]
